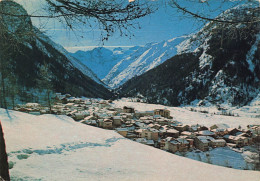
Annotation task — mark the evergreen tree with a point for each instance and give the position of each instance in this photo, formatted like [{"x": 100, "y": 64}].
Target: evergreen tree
[{"x": 45, "y": 84}]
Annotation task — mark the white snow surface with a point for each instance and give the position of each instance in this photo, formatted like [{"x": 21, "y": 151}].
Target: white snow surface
[{"x": 53, "y": 147}]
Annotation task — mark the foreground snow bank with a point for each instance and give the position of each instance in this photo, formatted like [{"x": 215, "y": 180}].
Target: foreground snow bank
[{"x": 57, "y": 148}]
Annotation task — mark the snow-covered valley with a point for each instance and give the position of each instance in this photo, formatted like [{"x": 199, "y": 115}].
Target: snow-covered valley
[{"x": 55, "y": 147}]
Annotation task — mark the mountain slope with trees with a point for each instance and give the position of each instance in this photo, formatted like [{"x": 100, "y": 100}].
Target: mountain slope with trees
[
  {"x": 25, "y": 51},
  {"x": 223, "y": 69}
]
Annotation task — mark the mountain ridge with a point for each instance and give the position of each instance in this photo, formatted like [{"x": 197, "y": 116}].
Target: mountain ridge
[{"x": 218, "y": 66}]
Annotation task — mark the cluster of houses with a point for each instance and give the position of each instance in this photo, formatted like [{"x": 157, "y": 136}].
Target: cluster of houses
[{"x": 155, "y": 128}]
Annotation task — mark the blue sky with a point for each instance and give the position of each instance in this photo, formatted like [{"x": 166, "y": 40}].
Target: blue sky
[{"x": 164, "y": 24}]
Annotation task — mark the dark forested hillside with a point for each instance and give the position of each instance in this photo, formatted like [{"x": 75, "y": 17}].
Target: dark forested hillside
[
  {"x": 224, "y": 69},
  {"x": 25, "y": 51}
]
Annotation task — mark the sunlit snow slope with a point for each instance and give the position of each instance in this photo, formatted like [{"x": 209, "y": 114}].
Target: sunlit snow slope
[{"x": 57, "y": 148}]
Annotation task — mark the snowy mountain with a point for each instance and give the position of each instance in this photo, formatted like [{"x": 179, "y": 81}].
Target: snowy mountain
[
  {"x": 28, "y": 50},
  {"x": 101, "y": 60},
  {"x": 54, "y": 147},
  {"x": 117, "y": 66},
  {"x": 142, "y": 60},
  {"x": 217, "y": 65}
]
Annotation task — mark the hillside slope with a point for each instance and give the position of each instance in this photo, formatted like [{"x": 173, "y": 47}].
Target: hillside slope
[
  {"x": 31, "y": 50},
  {"x": 53, "y": 147},
  {"x": 223, "y": 69}
]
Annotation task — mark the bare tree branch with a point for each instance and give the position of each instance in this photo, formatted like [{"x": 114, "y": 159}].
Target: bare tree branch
[{"x": 252, "y": 10}]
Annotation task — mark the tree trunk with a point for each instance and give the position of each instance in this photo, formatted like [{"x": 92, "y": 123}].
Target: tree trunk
[
  {"x": 49, "y": 100},
  {"x": 3, "y": 91},
  {"x": 4, "y": 170},
  {"x": 13, "y": 101}
]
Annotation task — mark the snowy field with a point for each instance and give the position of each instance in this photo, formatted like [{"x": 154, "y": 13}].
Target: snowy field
[
  {"x": 225, "y": 156},
  {"x": 188, "y": 117},
  {"x": 53, "y": 147}
]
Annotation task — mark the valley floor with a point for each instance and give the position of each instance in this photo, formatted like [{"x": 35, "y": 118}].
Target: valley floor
[
  {"x": 51, "y": 147},
  {"x": 186, "y": 116}
]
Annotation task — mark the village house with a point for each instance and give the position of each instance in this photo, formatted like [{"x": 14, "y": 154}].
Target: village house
[
  {"x": 131, "y": 135},
  {"x": 101, "y": 115},
  {"x": 127, "y": 115},
  {"x": 219, "y": 126},
  {"x": 171, "y": 133},
  {"x": 191, "y": 142},
  {"x": 80, "y": 115},
  {"x": 164, "y": 143},
  {"x": 32, "y": 105},
  {"x": 181, "y": 127},
  {"x": 161, "y": 121},
  {"x": 188, "y": 134},
  {"x": 162, "y": 112},
  {"x": 145, "y": 141},
  {"x": 217, "y": 143},
  {"x": 100, "y": 123},
  {"x": 255, "y": 129},
  {"x": 239, "y": 141},
  {"x": 161, "y": 144},
  {"x": 129, "y": 122},
  {"x": 183, "y": 145},
  {"x": 139, "y": 114},
  {"x": 219, "y": 132},
  {"x": 155, "y": 126},
  {"x": 70, "y": 113},
  {"x": 90, "y": 122},
  {"x": 69, "y": 105},
  {"x": 122, "y": 131},
  {"x": 138, "y": 132},
  {"x": 172, "y": 145},
  {"x": 103, "y": 104},
  {"x": 117, "y": 121},
  {"x": 202, "y": 142},
  {"x": 232, "y": 131},
  {"x": 197, "y": 127},
  {"x": 146, "y": 121},
  {"x": 140, "y": 125},
  {"x": 127, "y": 109},
  {"x": 108, "y": 124},
  {"x": 205, "y": 133},
  {"x": 150, "y": 134}
]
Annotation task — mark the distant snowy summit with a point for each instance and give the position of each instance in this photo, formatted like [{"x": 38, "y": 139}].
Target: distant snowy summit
[
  {"x": 101, "y": 60},
  {"x": 118, "y": 66}
]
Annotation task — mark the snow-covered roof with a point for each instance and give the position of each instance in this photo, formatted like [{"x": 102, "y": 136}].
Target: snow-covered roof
[
  {"x": 206, "y": 133},
  {"x": 172, "y": 131},
  {"x": 121, "y": 129},
  {"x": 219, "y": 141},
  {"x": 182, "y": 140},
  {"x": 205, "y": 139}
]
